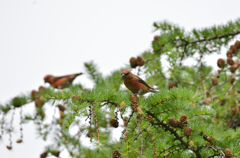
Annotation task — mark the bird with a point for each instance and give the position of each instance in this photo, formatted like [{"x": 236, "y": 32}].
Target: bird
[
  {"x": 60, "y": 81},
  {"x": 135, "y": 84}
]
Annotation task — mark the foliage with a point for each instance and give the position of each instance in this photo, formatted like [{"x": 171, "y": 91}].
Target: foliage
[{"x": 195, "y": 112}]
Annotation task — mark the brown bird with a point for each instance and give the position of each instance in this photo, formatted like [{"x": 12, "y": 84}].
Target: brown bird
[
  {"x": 135, "y": 84},
  {"x": 61, "y": 81}
]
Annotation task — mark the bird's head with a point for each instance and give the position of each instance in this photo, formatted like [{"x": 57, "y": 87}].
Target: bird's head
[
  {"x": 46, "y": 78},
  {"x": 126, "y": 74}
]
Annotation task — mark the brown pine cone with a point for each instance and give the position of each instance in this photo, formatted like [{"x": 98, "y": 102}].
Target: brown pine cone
[
  {"x": 116, "y": 154},
  {"x": 187, "y": 131},
  {"x": 133, "y": 62},
  {"x": 233, "y": 48},
  {"x": 207, "y": 101},
  {"x": 214, "y": 81},
  {"x": 220, "y": 63},
  {"x": 140, "y": 61},
  {"x": 237, "y": 44},
  {"x": 114, "y": 123},
  {"x": 230, "y": 61},
  {"x": 133, "y": 98},
  {"x": 38, "y": 103},
  {"x": 228, "y": 153},
  {"x": 43, "y": 155},
  {"x": 183, "y": 120},
  {"x": 171, "y": 85},
  {"x": 233, "y": 68},
  {"x": 41, "y": 88},
  {"x": 229, "y": 53},
  {"x": 61, "y": 107},
  {"x": 173, "y": 122},
  {"x": 57, "y": 153},
  {"x": 155, "y": 38},
  {"x": 34, "y": 94},
  {"x": 19, "y": 141},
  {"x": 9, "y": 147},
  {"x": 233, "y": 111}
]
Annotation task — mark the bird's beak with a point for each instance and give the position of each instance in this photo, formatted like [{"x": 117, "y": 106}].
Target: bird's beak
[
  {"x": 45, "y": 81},
  {"x": 123, "y": 76}
]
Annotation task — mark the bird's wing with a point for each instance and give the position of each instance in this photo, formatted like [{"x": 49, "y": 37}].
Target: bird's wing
[
  {"x": 143, "y": 82},
  {"x": 57, "y": 78}
]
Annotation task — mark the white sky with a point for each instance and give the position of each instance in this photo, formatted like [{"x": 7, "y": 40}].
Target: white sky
[{"x": 39, "y": 37}]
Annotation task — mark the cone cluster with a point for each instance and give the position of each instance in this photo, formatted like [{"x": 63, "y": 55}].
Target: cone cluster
[
  {"x": 134, "y": 62},
  {"x": 116, "y": 154},
  {"x": 114, "y": 123},
  {"x": 214, "y": 81},
  {"x": 38, "y": 100},
  {"x": 183, "y": 120},
  {"x": 175, "y": 123}
]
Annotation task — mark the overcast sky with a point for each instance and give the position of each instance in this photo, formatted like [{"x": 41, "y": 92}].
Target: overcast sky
[{"x": 39, "y": 37}]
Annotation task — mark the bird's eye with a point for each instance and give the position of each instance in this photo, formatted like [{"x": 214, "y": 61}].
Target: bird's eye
[{"x": 127, "y": 73}]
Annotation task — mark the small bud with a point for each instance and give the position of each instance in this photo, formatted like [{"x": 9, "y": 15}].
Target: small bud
[
  {"x": 140, "y": 61},
  {"x": 220, "y": 63},
  {"x": 41, "y": 88},
  {"x": 214, "y": 81},
  {"x": 43, "y": 113},
  {"x": 139, "y": 110},
  {"x": 57, "y": 153},
  {"x": 19, "y": 141},
  {"x": 230, "y": 61},
  {"x": 122, "y": 105},
  {"x": 191, "y": 143},
  {"x": 114, "y": 123},
  {"x": 133, "y": 62}
]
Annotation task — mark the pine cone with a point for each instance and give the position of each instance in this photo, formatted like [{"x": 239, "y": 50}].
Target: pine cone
[
  {"x": 171, "y": 85},
  {"x": 43, "y": 155},
  {"x": 230, "y": 61},
  {"x": 214, "y": 81},
  {"x": 228, "y": 153},
  {"x": 43, "y": 113},
  {"x": 233, "y": 68},
  {"x": 232, "y": 79},
  {"x": 133, "y": 98},
  {"x": 155, "y": 38},
  {"x": 191, "y": 143},
  {"x": 229, "y": 54},
  {"x": 233, "y": 48},
  {"x": 38, "y": 103},
  {"x": 183, "y": 120},
  {"x": 61, "y": 107},
  {"x": 149, "y": 118},
  {"x": 237, "y": 44},
  {"x": 220, "y": 63},
  {"x": 133, "y": 62},
  {"x": 139, "y": 110},
  {"x": 34, "y": 94},
  {"x": 114, "y": 123},
  {"x": 16, "y": 102},
  {"x": 116, "y": 154},
  {"x": 187, "y": 131},
  {"x": 140, "y": 61},
  {"x": 61, "y": 113},
  {"x": 9, "y": 147},
  {"x": 41, "y": 88},
  {"x": 173, "y": 122}
]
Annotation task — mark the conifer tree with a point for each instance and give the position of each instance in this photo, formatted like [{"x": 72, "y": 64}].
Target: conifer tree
[{"x": 195, "y": 112}]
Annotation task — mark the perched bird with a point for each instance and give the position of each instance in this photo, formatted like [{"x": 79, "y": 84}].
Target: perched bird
[
  {"x": 61, "y": 81},
  {"x": 135, "y": 84}
]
